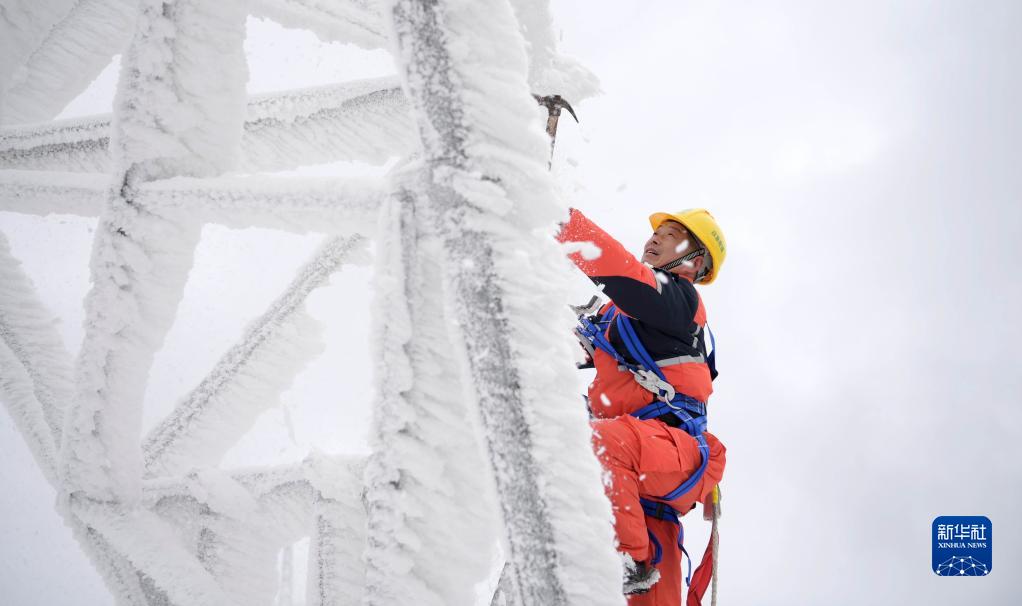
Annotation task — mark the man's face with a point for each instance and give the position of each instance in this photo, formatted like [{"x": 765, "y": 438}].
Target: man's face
[{"x": 669, "y": 242}]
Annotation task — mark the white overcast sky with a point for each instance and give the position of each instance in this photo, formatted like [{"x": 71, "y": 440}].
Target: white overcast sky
[{"x": 863, "y": 159}]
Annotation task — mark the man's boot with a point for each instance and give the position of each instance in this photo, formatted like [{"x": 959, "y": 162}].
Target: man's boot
[{"x": 639, "y": 577}]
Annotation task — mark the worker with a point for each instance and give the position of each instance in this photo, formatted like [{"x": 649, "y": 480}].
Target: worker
[{"x": 648, "y": 345}]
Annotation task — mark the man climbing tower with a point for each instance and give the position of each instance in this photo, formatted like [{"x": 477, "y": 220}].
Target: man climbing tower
[{"x": 648, "y": 399}]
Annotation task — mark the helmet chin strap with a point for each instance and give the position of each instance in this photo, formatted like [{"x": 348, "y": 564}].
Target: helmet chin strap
[{"x": 692, "y": 255}]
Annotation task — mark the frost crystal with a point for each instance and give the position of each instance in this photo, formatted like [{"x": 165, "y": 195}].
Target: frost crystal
[{"x": 479, "y": 445}]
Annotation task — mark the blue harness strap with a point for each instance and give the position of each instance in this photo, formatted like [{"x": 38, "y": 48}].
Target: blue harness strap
[
  {"x": 683, "y": 408},
  {"x": 711, "y": 360},
  {"x": 635, "y": 347},
  {"x": 690, "y": 413},
  {"x": 594, "y": 331},
  {"x": 663, "y": 511}
]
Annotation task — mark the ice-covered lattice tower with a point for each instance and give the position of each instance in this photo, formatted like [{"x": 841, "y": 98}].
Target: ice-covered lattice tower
[{"x": 477, "y": 436}]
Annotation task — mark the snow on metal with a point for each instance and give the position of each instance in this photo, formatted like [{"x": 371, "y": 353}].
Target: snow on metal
[
  {"x": 219, "y": 410},
  {"x": 36, "y": 378},
  {"x": 364, "y": 120},
  {"x": 54, "y": 67},
  {"x": 355, "y": 21},
  {"x": 479, "y": 448},
  {"x": 489, "y": 196},
  {"x": 41, "y": 193}
]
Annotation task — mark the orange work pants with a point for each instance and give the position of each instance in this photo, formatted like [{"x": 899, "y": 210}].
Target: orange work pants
[{"x": 650, "y": 458}]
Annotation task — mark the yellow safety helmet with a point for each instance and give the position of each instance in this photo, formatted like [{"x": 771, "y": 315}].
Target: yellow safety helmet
[{"x": 701, "y": 224}]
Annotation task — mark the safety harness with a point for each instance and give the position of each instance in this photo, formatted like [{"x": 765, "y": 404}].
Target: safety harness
[{"x": 675, "y": 409}]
